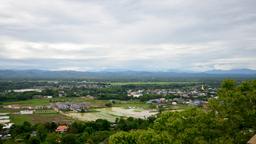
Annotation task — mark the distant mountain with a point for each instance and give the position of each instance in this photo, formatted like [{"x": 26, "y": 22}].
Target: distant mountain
[
  {"x": 124, "y": 75},
  {"x": 233, "y": 71}
]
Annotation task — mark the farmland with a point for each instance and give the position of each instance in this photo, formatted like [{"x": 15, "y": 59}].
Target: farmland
[
  {"x": 40, "y": 118},
  {"x": 98, "y": 110},
  {"x": 153, "y": 83},
  {"x": 112, "y": 113}
]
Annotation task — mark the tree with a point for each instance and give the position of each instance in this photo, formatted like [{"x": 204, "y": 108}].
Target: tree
[
  {"x": 34, "y": 140},
  {"x": 1, "y": 127},
  {"x": 41, "y": 132},
  {"x": 228, "y": 119},
  {"x": 124, "y": 138},
  {"x": 50, "y": 126},
  {"x": 236, "y": 109},
  {"x": 102, "y": 125},
  {"x": 70, "y": 139},
  {"x": 52, "y": 138}
]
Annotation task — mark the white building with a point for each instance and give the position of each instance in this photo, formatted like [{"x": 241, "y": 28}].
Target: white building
[
  {"x": 26, "y": 112},
  {"x": 27, "y": 90},
  {"x": 4, "y": 119},
  {"x": 49, "y": 97}
]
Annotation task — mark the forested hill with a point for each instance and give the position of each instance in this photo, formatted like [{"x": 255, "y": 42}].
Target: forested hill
[{"x": 123, "y": 75}]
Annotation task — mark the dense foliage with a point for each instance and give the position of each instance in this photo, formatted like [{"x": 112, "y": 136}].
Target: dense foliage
[
  {"x": 78, "y": 132},
  {"x": 228, "y": 119}
]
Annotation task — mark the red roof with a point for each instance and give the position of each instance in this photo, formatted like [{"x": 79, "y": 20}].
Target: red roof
[{"x": 61, "y": 128}]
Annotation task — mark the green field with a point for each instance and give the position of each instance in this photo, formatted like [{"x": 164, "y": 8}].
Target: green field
[
  {"x": 137, "y": 104},
  {"x": 40, "y": 118},
  {"x": 41, "y": 102},
  {"x": 31, "y": 102},
  {"x": 98, "y": 110},
  {"x": 149, "y": 83}
]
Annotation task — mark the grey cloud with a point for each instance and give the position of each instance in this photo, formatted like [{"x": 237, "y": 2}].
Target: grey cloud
[{"x": 128, "y": 34}]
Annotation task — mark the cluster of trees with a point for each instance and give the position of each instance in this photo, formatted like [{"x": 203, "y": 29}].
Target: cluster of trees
[
  {"x": 78, "y": 132},
  {"x": 228, "y": 119},
  {"x": 17, "y": 96}
]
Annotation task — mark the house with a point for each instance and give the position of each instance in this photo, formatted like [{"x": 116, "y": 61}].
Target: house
[
  {"x": 90, "y": 97},
  {"x": 135, "y": 94},
  {"x": 33, "y": 134},
  {"x": 78, "y": 107},
  {"x": 198, "y": 103},
  {"x": 26, "y": 112},
  {"x": 61, "y": 128},
  {"x": 61, "y": 93},
  {"x": 48, "y": 97},
  {"x": 252, "y": 140},
  {"x": 4, "y": 118},
  {"x": 7, "y": 125},
  {"x": 27, "y": 90}
]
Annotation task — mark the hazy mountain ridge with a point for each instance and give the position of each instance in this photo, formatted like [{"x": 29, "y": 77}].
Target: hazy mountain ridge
[{"x": 44, "y": 74}]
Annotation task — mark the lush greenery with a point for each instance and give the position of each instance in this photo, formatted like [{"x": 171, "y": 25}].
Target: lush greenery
[
  {"x": 228, "y": 119},
  {"x": 78, "y": 132}
]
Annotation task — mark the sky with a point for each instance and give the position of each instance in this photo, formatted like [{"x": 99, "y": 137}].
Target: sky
[{"x": 140, "y": 35}]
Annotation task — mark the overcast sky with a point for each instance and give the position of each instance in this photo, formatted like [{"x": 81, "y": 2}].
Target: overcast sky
[{"x": 150, "y": 35}]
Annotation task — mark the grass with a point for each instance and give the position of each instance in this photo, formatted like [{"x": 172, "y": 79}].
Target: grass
[
  {"x": 40, "y": 118},
  {"x": 41, "y": 102},
  {"x": 148, "y": 83},
  {"x": 4, "y": 110},
  {"x": 31, "y": 102},
  {"x": 179, "y": 107},
  {"x": 127, "y": 104}
]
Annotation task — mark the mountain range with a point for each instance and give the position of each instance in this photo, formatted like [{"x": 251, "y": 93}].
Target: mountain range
[{"x": 128, "y": 75}]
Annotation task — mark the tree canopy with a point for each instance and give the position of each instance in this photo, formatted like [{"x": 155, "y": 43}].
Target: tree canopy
[{"x": 229, "y": 118}]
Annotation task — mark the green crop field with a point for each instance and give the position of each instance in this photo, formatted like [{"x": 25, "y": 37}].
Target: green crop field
[
  {"x": 39, "y": 118},
  {"x": 31, "y": 102},
  {"x": 149, "y": 83},
  {"x": 137, "y": 104}
]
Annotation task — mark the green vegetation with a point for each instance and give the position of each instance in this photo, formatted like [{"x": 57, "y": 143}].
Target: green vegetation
[
  {"x": 40, "y": 118},
  {"x": 79, "y": 132},
  {"x": 30, "y": 102},
  {"x": 228, "y": 119},
  {"x": 151, "y": 83}
]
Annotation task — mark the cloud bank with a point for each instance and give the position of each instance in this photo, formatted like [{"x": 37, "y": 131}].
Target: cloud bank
[{"x": 146, "y": 35}]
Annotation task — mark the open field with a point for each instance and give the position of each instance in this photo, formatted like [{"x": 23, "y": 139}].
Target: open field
[
  {"x": 98, "y": 110},
  {"x": 44, "y": 102},
  {"x": 127, "y": 104},
  {"x": 31, "y": 102},
  {"x": 40, "y": 118},
  {"x": 150, "y": 83},
  {"x": 111, "y": 114}
]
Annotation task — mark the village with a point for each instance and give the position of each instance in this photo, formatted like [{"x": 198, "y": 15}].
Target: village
[{"x": 58, "y": 107}]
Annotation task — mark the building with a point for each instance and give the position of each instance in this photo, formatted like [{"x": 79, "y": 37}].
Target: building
[
  {"x": 252, "y": 140},
  {"x": 7, "y": 125},
  {"x": 26, "y": 112},
  {"x": 48, "y": 97},
  {"x": 4, "y": 118},
  {"x": 78, "y": 107},
  {"x": 174, "y": 103},
  {"x": 27, "y": 90},
  {"x": 135, "y": 94},
  {"x": 61, "y": 128}
]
